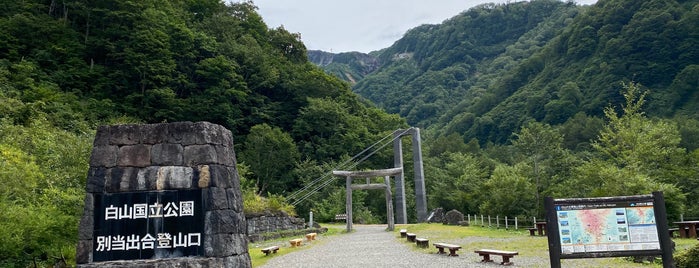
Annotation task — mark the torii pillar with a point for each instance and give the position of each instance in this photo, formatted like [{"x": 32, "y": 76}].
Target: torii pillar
[{"x": 420, "y": 196}]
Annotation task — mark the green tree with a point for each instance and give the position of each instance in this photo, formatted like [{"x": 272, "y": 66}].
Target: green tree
[
  {"x": 636, "y": 156},
  {"x": 635, "y": 142},
  {"x": 455, "y": 181},
  {"x": 508, "y": 192},
  {"x": 271, "y": 155},
  {"x": 540, "y": 145}
]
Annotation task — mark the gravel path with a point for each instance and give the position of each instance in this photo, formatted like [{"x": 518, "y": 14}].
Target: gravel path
[{"x": 373, "y": 246}]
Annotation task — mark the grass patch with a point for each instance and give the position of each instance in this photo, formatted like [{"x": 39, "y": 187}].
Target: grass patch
[
  {"x": 258, "y": 258},
  {"x": 476, "y": 237}
]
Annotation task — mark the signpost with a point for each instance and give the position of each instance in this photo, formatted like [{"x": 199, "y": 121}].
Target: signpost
[{"x": 607, "y": 227}]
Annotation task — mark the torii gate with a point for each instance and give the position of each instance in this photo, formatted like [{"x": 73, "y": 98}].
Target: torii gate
[
  {"x": 386, "y": 173},
  {"x": 397, "y": 172}
]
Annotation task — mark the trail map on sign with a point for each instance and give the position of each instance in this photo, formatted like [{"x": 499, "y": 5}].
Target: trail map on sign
[{"x": 584, "y": 229}]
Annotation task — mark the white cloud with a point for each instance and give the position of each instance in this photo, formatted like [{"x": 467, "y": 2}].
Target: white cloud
[{"x": 359, "y": 25}]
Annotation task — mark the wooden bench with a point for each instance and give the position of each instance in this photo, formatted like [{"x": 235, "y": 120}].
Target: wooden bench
[
  {"x": 672, "y": 231},
  {"x": 403, "y": 233},
  {"x": 452, "y": 248},
  {"x": 295, "y": 242},
  {"x": 422, "y": 242},
  {"x": 311, "y": 236},
  {"x": 532, "y": 231},
  {"x": 341, "y": 217},
  {"x": 411, "y": 237},
  {"x": 506, "y": 255},
  {"x": 268, "y": 250}
]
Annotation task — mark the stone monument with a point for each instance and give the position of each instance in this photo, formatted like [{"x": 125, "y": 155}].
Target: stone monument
[{"x": 163, "y": 195}]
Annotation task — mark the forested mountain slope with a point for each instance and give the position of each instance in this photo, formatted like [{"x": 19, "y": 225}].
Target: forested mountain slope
[
  {"x": 582, "y": 69},
  {"x": 486, "y": 72},
  {"x": 433, "y": 67},
  {"x": 68, "y": 66}
]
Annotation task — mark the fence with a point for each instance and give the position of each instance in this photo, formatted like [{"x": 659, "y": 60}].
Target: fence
[
  {"x": 501, "y": 222},
  {"x": 516, "y": 223}
]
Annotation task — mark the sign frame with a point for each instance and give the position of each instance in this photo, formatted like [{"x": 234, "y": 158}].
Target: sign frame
[{"x": 554, "y": 239}]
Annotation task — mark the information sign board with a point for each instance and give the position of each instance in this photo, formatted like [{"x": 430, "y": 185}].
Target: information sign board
[{"x": 607, "y": 227}]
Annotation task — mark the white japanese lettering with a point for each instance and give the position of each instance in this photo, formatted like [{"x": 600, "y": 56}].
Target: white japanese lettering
[
  {"x": 194, "y": 239},
  {"x": 133, "y": 242},
  {"x": 148, "y": 242},
  {"x": 164, "y": 240},
  {"x": 140, "y": 211},
  {"x": 156, "y": 210},
  {"x": 179, "y": 240},
  {"x": 118, "y": 242},
  {"x": 171, "y": 209},
  {"x": 186, "y": 208},
  {"x": 111, "y": 213},
  {"x": 126, "y": 212},
  {"x": 103, "y": 243}
]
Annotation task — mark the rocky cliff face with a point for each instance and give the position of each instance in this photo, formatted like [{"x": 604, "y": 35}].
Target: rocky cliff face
[
  {"x": 349, "y": 66},
  {"x": 320, "y": 58}
]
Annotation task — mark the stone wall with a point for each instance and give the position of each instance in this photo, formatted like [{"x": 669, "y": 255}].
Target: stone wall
[
  {"x": 174, "y": 156},
  {"x": 266, "y": 224}
]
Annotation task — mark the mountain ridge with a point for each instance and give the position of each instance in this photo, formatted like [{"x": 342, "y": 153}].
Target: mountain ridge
[{"x": 562, "y": 60}]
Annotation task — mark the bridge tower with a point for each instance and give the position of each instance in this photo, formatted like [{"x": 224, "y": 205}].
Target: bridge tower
[{"x": 420, "y": 197}]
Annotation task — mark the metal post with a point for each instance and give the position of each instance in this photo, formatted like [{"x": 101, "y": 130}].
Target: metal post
[
  {"x": 310, "y": 220},
  {"x": 505, "y": 222},
  {"x": 516, "y": 223},
  {"x": 348, "y": 205}
]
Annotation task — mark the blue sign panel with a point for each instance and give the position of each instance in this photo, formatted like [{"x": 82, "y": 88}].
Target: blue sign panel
[{"x": 148, "y": 225}]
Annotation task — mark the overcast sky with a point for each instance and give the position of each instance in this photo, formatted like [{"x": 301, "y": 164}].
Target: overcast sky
[{"x": 359, "y": 25}]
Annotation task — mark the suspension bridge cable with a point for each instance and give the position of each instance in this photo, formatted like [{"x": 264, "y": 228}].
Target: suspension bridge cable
[
  {"x": 317, "y": 185},
  {"x": 341, "y": 165}
]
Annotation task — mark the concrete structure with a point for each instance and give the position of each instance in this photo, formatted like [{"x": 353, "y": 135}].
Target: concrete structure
[
  {"x": 420, "y": 193},
  {"x": 136, "y": 172}
]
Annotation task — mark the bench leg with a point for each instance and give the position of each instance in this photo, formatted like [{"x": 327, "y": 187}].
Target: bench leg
[
  {"x": 441, "y": 251},
  {"x": 506, "y": 260},
  {"x": 531, "y": 232},
  {"x": 486, "y": 257},
  {"x": 452, "y": 252}
]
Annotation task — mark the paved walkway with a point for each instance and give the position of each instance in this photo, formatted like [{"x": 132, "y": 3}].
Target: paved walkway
[{"x": 370, "y": 246}]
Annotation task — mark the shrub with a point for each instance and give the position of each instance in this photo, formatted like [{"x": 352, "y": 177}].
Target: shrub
[
  {"x": 688, "y": 258},
  {"x": 254, "y": 204}
]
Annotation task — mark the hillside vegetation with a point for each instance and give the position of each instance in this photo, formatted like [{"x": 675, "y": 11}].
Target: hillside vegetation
[{"x": 68, "y": 66}]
